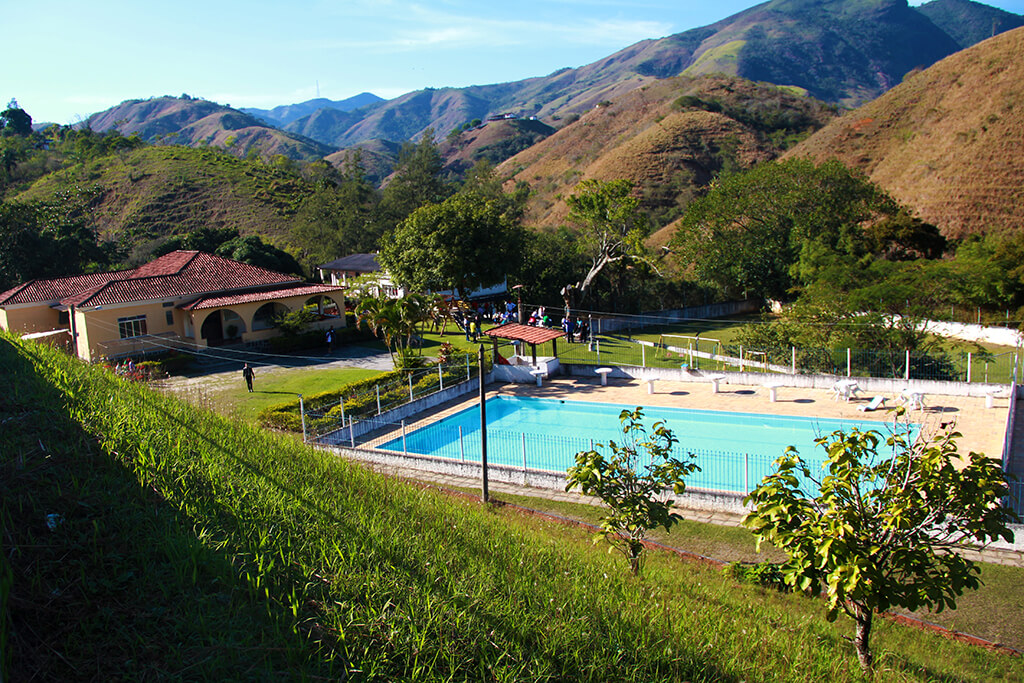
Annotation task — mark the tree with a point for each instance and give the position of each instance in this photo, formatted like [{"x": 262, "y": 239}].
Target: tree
[
  {"x": 631, "y": 481},
  {"x": 881, "y": 532},
  {"x": 612, "y": 228},
  {"x": 763, "y": 231},
  {"x": 15, "y": 121},
  {"x": 415, "y": 182},
  {"x": 394, "y": 321},
  {"x": 464, "y": 243}
]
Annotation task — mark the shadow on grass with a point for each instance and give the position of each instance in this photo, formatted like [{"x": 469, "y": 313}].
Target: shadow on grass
[
  {"x": 109, "y": 580},
  {"x": 528, "y": 643}
]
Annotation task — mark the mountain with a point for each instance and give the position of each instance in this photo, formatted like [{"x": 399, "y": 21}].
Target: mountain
[
  {"x": 194, "y": 122},
  {"x": 150, "y": 193},
  {"x": 671, "y": 138},
  {"x": 285, "y": 114},
  {"x": 491, "y": 141},
  {"x": 947, "y": 141},
  {"x": 378, "y": 158},
  {"x": 842, "y": 51},
  {"x": 969, "y": 22}
]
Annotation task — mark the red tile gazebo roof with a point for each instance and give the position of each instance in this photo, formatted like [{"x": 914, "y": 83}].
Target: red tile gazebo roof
[{"x": 525, "y": 333}]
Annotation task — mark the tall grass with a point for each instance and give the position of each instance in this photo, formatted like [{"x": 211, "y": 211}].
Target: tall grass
[{"x": 190, "y": 546}]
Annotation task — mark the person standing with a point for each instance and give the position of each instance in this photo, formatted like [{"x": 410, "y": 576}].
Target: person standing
[
  {"x": 330, "y": 341},
  {"x": 248, "y": 374}
]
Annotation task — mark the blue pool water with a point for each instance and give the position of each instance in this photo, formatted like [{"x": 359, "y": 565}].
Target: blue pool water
[{"x": 734, "y": 450}]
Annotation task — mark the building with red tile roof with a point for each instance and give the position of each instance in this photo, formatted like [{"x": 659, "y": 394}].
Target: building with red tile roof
[{"x": 184, "y": 298}]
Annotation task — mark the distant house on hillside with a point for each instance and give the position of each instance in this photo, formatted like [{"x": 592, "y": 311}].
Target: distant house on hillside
[
  {"x": 344, "y": 270},
  {"x": 182, "y": 299}
]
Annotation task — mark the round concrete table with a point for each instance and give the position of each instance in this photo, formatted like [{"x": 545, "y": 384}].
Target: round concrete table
[{"x": 604, "y": 375}]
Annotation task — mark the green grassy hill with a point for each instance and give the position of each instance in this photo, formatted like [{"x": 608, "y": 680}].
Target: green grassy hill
[
  {"x": 146, "y": 539},
  {"x": 157, "y": 191}
]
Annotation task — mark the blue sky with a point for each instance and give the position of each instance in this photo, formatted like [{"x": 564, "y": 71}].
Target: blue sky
[{"x": 71, "y": 59}]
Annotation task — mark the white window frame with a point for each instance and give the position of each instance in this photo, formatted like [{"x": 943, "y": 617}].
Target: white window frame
[{"x": 131, "y": 326}]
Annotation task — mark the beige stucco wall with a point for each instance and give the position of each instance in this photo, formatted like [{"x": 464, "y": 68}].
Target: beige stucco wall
[
  {"x": 25, "y": 318},
  {"x": 247, "y": 313},
  {"x": 98, "y": 334}
]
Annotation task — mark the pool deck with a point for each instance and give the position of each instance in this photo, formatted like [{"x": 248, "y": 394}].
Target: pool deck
[{"x": 982, "y": 428}]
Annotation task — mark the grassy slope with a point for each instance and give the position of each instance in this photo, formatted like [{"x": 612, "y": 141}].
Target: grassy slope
[
  {"x": 194, "y": 547},
  {"x": 158, "y": 191},
  {"x": 946, "y": 141}
]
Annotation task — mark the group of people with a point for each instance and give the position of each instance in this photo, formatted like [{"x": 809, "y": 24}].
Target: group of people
[
  {"x": 472, "y": 319},
  {"x": 576, "y": 329}
]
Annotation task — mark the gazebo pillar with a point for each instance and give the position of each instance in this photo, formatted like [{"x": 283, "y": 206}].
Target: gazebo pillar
[{"x": 533, "y": 353}]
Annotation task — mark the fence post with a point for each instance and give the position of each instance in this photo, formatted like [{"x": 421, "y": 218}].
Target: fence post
[
  {"x": 468, "y": 376},
  {"x": 405, "y": 449},
  {"x": 352, "y": 431},
  {"x": 906, "y": 372},
  {"x": 342, "y": 404},
  {"x": 462, "y": 449},
  {"x": 523, "y": 435},
  {"x": 741, "y": 357},
  {"x": 968, "y": 367},
  {"x": 599, "y": 345},
  {"x": 440, "y": 378},
  {"x": 848, "y": 356},
  {"x": 643, "y": 355},
  {"x": 794, "y": 359},
  {"x": 746, "y": 473},
  {"x": 410, "y": 388},
  {"x": 302, "y": 413},
  {"x": 483, "y": 429},
  {"x": 377, "y": 387}
]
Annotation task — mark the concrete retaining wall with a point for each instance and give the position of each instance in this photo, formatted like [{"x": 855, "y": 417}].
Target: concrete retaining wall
[
  {"x": 693, "y": 499},
  {"x": 396, "y": 415}
]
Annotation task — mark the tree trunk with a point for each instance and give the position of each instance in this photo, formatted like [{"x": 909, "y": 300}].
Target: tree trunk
[
  {"x": 863, "y": 618},
  {"x": 635, "y": 548}
]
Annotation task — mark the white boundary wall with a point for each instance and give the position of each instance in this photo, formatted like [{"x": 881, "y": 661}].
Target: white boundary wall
[{"x": 867, "y": 384}]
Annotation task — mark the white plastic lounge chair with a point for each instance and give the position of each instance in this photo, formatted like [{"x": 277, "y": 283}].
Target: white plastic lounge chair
[{"x": 875, "y": 404}]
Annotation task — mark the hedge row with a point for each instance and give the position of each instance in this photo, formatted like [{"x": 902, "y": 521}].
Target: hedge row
[{"x": 323, "y": 410}]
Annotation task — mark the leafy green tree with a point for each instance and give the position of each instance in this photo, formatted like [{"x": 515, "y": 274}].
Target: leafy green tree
[
  {"x": 251, "y": 249},
  {"x": 631, "y": 481},
  {"x": 879, "y": 531},
  {"x": 464, "y": 243},
  {"x": 340, "y": 217},
  {"x": 417, "y": 181},
  {"x": 612, "y": 227},
  {"x": 395, "y": 322},
  {"x": 764, "y": 231},
  {"x": 15, "y": 121}
]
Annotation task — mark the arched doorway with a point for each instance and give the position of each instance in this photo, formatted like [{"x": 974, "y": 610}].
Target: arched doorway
[
  {"x": 222, "y": 326},
  {"x": 324, "y": 306},
  {"x": 265, "y": 315}
]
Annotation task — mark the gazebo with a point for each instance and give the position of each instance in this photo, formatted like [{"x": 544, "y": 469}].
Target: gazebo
[{"x": 525, "y": 333}]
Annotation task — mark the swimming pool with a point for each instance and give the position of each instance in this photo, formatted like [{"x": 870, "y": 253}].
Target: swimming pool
[{"x": 734, "y": 450}]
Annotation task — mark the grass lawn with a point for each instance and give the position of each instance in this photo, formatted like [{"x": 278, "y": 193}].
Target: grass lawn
[
  {"x": 226, "y": 392},
  {"x": 152, "y": 540},
  {"x": 994, "y": 612}
]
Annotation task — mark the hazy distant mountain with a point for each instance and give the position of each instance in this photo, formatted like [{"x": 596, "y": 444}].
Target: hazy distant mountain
[
  {"x": 969, "y": 22},
  {"x": 283, "y": 115},
  {"x": 194, "y": 122},
  {"x": 842, "y": 51},
  {"x": 946, "y": 142}
]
